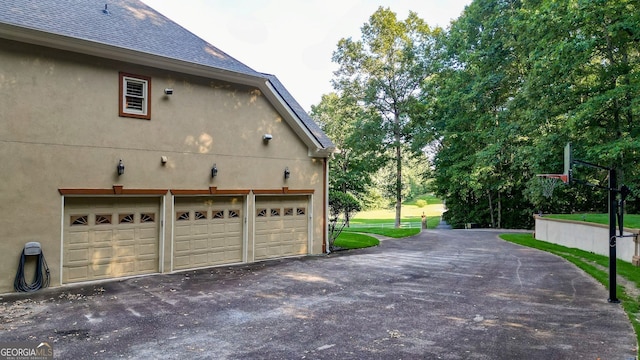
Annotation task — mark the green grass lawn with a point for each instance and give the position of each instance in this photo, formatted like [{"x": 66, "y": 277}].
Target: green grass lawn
[
  {"x": 382, "y": 222},
  {"x": 430, "y": 199},
  {"x": 631, "y": 221},
  {"x": 390, "y": 232},
  {"x": 355, "y": 241},
  {"x": 411, "y": 214},
  {"x": 593, "y": 265}
]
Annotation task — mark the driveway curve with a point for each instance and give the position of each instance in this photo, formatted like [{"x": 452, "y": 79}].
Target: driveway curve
[{"x": 443, "y": 294}]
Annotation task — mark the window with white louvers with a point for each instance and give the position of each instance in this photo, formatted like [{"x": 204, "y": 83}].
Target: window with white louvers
[{"x": 135, "y": 96}]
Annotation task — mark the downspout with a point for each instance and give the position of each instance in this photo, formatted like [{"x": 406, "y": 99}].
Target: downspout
[{"x": 325, "y": 199}]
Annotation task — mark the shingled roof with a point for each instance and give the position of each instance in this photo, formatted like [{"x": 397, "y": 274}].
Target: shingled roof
[{"x": 136, "y": 27}]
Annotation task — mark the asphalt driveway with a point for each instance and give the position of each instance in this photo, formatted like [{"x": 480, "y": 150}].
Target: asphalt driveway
[{"x": 444, "y": 294}]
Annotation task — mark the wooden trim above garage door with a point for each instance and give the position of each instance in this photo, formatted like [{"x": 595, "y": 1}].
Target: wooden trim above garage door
[
  {"x": 116, "y": 190},
  {"x": 284, "y": 190},
  {"x": 213, "y": 190}
]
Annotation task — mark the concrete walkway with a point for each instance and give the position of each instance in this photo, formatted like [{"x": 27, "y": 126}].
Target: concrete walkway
[{"x": 454, "y": 294}]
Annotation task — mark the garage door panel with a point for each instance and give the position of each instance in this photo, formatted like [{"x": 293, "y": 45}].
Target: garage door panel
[
  {"x": 126, "y": 251},
  {"x": 77, "y": 273},
  {"x": 181, "y": 246},
  {"x": 181, "y": 231},
  {"x": 148, "y": 265},
  {"x": 148, "y": 233},
  {"x": 77, "y": 238},
  {"x": 102, "y": 236},
  {"x": 214, "y": 232},
  {"x": 200, "y": 229},
  {"x": 102, "y": 253},
  {"x": 217, "y": 228},
  {"x": 281, "y": 227},
  {"x": 110, "y": 237},
  {"x": 200, "y": 244},
  {"x": 146, "y": 250},
  {"x": 200, "y": 259},
  {"x": 77, "y": 255},
  {"x": 180, "y": 261}
]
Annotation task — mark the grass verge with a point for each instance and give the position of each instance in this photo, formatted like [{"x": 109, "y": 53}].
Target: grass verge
[
  {"x": 390, "y": 232},
  {"x": 355, "y": 241},
  {"x": 592, "y": 264},
  {"x": 631, "y": 221}
]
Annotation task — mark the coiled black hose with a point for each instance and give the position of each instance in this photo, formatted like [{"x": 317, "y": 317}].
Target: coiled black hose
[{"x": 40, "y": 278}]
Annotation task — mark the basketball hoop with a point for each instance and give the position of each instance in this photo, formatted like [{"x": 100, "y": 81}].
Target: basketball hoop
[{"x": 550, "y": 181}]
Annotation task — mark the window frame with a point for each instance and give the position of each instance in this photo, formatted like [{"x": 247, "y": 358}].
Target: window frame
[{"x": 124, "y": 78}]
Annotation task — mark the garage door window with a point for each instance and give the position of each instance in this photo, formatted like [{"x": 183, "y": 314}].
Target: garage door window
[
  {"x": 218, "y": 214},
  {"x": 182, "y": 215},
  {"x": 234, "y": 214},
  {"x": 77, "y": 220},
  {"x": 200, "y": 215},
  {"x": 103, "y": 219},
  {"x": 126, "y": 218},
  {"x": 147, "y": 218},
  {"x": 275, "y": 212},
  {"x": 288, "y": 212},
  {"x": 262, "y": 212},
  {"x": 301, "y": 211}
]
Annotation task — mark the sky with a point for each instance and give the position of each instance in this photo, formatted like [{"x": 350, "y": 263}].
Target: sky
[{"x": 293, "y": 39}]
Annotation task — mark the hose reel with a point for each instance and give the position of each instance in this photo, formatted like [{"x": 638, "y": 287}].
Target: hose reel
[{"x": 41, "y": 276}]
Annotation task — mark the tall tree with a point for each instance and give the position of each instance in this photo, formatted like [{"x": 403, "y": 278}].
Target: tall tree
[
  {"x": 478, "y": 77},
  {"x": 383, "y": 71},
  {"x": 519, "y": 79},
  {"x": 360, "y": 153}
]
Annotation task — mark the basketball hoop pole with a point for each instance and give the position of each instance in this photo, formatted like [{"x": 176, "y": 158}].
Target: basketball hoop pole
[
  {"x": 613, "y": 212},
  {"x": 616, "y": 211}
]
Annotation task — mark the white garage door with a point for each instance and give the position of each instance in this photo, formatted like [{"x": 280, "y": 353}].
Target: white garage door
[
  {"x": 281, "y": 227},
  {"x": 109, "y": 238},
  {"x": 207, "y": 231}
]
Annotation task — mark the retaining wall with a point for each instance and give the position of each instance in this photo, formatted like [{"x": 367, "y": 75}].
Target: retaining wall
[{"x": 587, "y": 236}]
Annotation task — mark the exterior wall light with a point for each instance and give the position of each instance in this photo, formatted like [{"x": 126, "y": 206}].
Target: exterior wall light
[
  {"x": 120, "y": 168},
  {"x": 168, "y": 91},
  {"x": 267, "y": 137},
  {"x": 214, "y": 171},
  {"x": 287, "y": 173}
]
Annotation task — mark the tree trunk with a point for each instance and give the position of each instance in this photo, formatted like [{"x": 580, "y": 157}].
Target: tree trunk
[
  {"x": 499, "y": 211},
  {"x": 398, "y": 170},
  {"x": 493, "y": 223}
]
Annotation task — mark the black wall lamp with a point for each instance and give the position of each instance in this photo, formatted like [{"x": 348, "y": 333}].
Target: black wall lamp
[
  {"x": 214, "y": 171},
  {"x": 287, "y": 173},
  {"x": 120, "y": 168},
  {"x": 168, "y": 91}
]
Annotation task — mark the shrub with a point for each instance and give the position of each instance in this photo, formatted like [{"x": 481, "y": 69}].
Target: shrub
[{"x": 421, "y": 203}]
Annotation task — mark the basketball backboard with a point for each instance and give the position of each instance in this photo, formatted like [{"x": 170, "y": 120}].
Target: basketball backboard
[{"x": 568, "y": 163}]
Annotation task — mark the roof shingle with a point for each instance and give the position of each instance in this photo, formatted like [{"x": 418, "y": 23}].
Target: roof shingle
[{"x": 128, "y": 24}]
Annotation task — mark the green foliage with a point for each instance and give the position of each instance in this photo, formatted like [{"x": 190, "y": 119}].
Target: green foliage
[
  {"x": 496, "y": 97},
  {"x": 343, "y": 204},
  {"x": 515, "y": 82},
  {"x": 340, "y": 204},
  {"x": 382, "y": 72},
  {"x": 360, "y": 154},
  {"x": 421, "y": 203}
]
